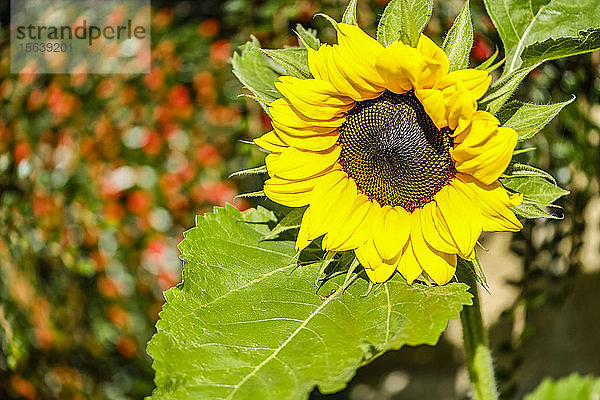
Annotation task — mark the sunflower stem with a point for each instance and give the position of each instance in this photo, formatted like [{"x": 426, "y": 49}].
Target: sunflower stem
[{"x": 477, "y": 353}]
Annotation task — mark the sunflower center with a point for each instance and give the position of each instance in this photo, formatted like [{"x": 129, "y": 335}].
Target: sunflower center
[{"x": 394, "y": 151}]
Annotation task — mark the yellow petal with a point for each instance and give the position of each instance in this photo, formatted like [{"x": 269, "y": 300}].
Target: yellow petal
[
  {"x": 484, "y": 150},
  {"x": 377, "y": 270},
  {"x": 302, "y": 240},
  {"x": 403, "y": 67},
  {"x": 461, "y": 108},
  {"x": 350, "y": 227},
  {"x": 475, "y": 81},
  {"x": 489, "y": 160},
  {"x": 314, "y": 98},
  {"x": 382, "y": 273},
  {"x": 313, "y": 143},
  {"x": 461, "y": 217},
  {"x": 438, "y": 265},
  {"x": 435, "y": 104},
  {"x": 312, "y": 91},
  {"x": 270, "y": 141},
  {"x": 326, "y": 195},
  {"x": 431, "y": 50},
  {"x": 303, "y": 130},
  {"x": 408, "y": 266},
  {"x": 390, "y": 231},
  {"x": 437, "y": 234},
  {"x": 400, "y": 66},
  {"x": 298, "y": 164},
  {"x": 291, "y": 193},
  {"x": 494, "y": 202},
  {"x": 349, "y": 65},
  {"x": 286, "y": 114},
  {"x": 368, "y": 256}
]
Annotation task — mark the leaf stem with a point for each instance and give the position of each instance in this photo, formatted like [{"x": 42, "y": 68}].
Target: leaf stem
[{"x": 477, "y": 353}]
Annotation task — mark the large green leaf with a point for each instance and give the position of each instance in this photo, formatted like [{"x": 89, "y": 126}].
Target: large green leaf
[
  {"x": 402, "y": 19},
  {"x": 459, "y": 41},
  {"x": 247, "y": 321},
  {"x": 527, "y": 119},
  {"x": 573, "y": 387},
  {"x": 537, "y": 30},
  {"x": 257, "y": 72}
]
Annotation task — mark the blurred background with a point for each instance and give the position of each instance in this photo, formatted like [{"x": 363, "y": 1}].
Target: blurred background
[{"x": 101, "y": 174}]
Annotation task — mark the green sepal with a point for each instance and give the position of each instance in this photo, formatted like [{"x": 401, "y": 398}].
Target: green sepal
[
  {"x": 259, "y": 193},
  {"x": 516, "y": 170},
  {"x": 349, "y": 16},
  {"x": 459, "y": 41},
  {"x": 475, "y": 269},
  {"x": 404, "y": 20},
  {"x": 528, "y": 119},
  {"x": 293, "y": 59},
  {"x": 501, "y": 90},
  {"x": 251, "y": 171},
  {"x": 257, "y": 72},
  {"x": 291, "y": 221},
  {"x": 307, "y": 37},
  {"x": 538, "y": 193},
  {"x": 487, "y": 64}
]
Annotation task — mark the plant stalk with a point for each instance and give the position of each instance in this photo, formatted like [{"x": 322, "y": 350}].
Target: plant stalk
[{"x": 477, "y": 353}]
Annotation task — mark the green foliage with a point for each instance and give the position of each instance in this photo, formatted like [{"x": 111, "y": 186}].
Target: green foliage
[
  {"x": 536, "y": 31},
  {"x": 404, "y": 20},
  {"x": 308, "y": 37},
  {"x": 585, "y": 41},
  {"x": 538, "y": 192},
  {"x": 349, "y": 16},
  {"x": 291, "y": 221},
  {"x": 459, "y": 41},
  {"x": 501, "y": 90},
  {"x": 257, "y": 73},
  {"x": 573, "y": 387},
  {"x": 528, "y": 119},
  {"x": 248, "y": 322},
  {"x": 293, "y": 59}
]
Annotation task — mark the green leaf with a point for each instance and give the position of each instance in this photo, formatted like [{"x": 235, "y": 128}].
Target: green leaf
[
  {"x": 308, "y": 37},
  {"x": 291, "y": 221},
  {"x": 246, "y": 323},
  {"x": 252, "y": 171},
  {"x": 475, "y": 269},
  {"x": 547, "y": 28},
  {"x": 550, "y": 49},
  {"x": 293, "y": 59},
  {"x": 349, "y": 16},
  {"x": 528, "y": 119},
  {"x": 573, "y": 387},
  {"x": 488, "y": 63},
  {"x": 402, "y": 19},
  {"x": 516, "y": 170},
  {"x": 257, "y": 72},
  {"x": 535, "y": 189},
  {"x": 501, "y": 90},
  {"x": 459, "y": 41},
  {"x": 531, "y": 211}
]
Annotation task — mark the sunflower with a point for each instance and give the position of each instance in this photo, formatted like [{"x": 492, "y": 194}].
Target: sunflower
[{"x": 392, "y": 157}]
